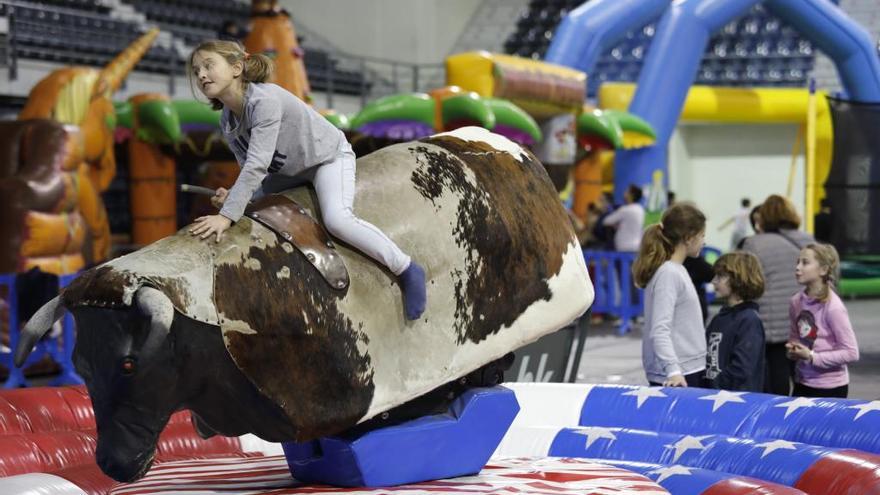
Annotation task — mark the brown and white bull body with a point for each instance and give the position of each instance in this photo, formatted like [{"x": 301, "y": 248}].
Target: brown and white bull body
[{"x": 479, "y": 213}]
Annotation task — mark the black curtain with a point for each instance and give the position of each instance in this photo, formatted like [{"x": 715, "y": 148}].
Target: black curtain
[{"x": 853, "y": 185}]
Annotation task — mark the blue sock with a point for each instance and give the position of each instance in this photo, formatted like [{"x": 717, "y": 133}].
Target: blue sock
[{"x": 412, "y": 281}]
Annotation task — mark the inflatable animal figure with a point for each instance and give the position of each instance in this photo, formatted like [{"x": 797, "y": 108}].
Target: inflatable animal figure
[
  {"x": 42, "y": 197},
  {"x": 81, "y": 96},
  {"x": 279, "y": 331}
]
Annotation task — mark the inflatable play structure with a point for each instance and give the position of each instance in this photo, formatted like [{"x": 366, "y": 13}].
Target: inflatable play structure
[
  {"x": 680, "y": 41},
  {"x": 416, "y": 115},
  {"x": 573, "y": 133},
  {"x": 664, "y": 97},
  {"x": 58, "y": 159},
  {"x": 60, "y": 224},
  {"x": 401, "y": 117}
]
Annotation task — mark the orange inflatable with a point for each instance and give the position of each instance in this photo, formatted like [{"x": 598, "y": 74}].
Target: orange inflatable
[
  {"x": 272, "y": 34},
  {"x": 41, "y": 183},
  {"x": 588, "y": 184},
  {"x": 83, "y": 166},
  {"x": 152, "y": 184}
]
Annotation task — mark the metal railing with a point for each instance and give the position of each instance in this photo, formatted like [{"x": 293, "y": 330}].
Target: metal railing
[{"x": 379, "y": 77}]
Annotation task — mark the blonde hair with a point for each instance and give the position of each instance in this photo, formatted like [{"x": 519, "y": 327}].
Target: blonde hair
[
  {"x": 778, "y": 213},
  {"x": 827, "y": 257},
  {"x": 745, "y": 274},
  {"x": 258, "y": 68},
  {"x": 679, "y": 223}
]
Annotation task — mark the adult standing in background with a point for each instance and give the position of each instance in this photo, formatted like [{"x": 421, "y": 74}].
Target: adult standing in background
[
  {"x": 822, "y": 222},
  {"x": 740, "y": 223},
  {"x": 603, "y": 236},
  {"x": 701, "y": 273},
  {"x": 628, "y": 221},
  {"x": 755, "y": 220},
  {"x": 777, "y": 248}
]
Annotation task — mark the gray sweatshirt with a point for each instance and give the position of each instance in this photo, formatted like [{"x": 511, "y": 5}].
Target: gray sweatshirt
[
  {"x": 778, "y": 253},
  {"x": 278, "y": 135},
  {"x": 673, "y": 339}
]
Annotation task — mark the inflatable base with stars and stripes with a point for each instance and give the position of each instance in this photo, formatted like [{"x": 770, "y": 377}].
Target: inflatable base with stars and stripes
[{"x": 694, "y": 441}]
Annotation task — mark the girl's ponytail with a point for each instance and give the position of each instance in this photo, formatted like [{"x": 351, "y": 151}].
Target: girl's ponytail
[
  {"x": 655, "y": 250},
  {"x": 258, "y": 68}
]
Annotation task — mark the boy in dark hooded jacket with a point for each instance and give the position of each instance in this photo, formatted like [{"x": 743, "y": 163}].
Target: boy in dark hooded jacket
[{"x": 735, "y": 337}]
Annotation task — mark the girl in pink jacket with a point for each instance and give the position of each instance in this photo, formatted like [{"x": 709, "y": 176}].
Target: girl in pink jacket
[{"x": 821, "y": 341}]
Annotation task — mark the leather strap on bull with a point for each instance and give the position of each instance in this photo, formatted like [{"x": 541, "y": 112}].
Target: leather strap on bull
[{"x": 293, "y": 224}]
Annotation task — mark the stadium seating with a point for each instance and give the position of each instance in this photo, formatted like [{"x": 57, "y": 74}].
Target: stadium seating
[{"x": 82, "y": 32}]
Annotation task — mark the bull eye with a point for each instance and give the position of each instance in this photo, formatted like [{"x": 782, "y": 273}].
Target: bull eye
[{"x": 128, "y": 365}]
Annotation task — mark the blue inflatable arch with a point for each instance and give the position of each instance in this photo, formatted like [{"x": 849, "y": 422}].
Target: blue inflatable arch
[{"x": 678, "y": 46}]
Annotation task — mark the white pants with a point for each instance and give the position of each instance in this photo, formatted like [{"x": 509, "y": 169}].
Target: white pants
[{"x": 335, "y": 184}]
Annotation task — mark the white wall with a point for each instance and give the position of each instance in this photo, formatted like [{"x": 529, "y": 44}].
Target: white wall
[
  {"x": 410, "y": 31},
  {"x": 716, "y": 165}
]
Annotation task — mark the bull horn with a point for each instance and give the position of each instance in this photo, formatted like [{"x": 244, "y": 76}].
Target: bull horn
[
  {"x": 38, "y": 326},
  {"x": 153, "y": 303}
]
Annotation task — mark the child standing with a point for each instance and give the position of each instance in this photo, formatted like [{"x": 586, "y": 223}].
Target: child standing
[
  {"x": 735, "y": 337},
  {"x": 821, "y": 340},
  {"x": 673, "y": 342},
  {"x": 279, "y": 141}
]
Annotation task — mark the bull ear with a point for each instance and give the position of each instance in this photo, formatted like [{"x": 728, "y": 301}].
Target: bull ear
[
  {"x": 158, "y": 308},
  {"x": 38, "y": 326}
]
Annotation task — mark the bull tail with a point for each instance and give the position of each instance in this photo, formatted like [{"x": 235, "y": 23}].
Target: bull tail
[{"x": 38, "y": 326}]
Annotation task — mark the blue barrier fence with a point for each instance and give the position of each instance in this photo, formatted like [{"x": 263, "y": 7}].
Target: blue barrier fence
[
  {"x": 59, "y": 348},
  {"x": 616, "y": 295}
]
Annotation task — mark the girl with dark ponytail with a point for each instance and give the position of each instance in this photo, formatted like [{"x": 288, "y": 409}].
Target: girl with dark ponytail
[
  {"x": 280, "y": 141},
  {"x": 673, "y": 341}
]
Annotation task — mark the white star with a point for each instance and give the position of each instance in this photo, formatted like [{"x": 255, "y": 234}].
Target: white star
[
  {"x": 795, "y": 404},
  {"x": 865, "y": 408},
  {"x": 723, "y": 397},
  {"x": 670, "y": 471},
  {"x": 775, "y": 445},
  {"x": 685, "y": 444},
  {"x": 644, "y": 393},
  {"x": 594, "y": 433}
]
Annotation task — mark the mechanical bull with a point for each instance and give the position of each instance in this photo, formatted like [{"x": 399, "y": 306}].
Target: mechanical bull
[{"x": 257, "y": 335}]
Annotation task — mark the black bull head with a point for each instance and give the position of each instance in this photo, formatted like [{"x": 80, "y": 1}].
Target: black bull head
[{"x": 249, "y": 336}]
